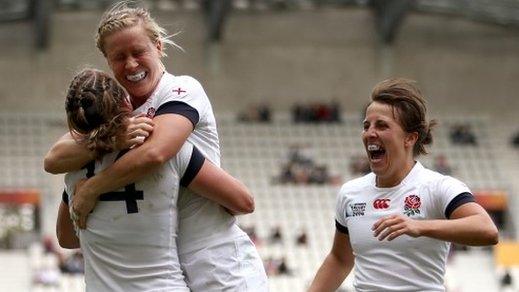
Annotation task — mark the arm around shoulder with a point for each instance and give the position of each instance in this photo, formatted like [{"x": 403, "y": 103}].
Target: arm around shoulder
[
  {"x": 66, "y": 155},
  {"x": 217, "y": 185},
  {"x": 169, "y": 134}
]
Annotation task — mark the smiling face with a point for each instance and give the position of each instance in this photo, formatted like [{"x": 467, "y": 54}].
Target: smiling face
[
  {"x": 388, "y": 146},
  {"x": 135, "y": 61}
]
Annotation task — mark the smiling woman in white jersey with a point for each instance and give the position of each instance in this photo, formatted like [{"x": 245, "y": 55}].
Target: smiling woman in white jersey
[
  {"x": 395, "y": 225},
  {"x": 130, "y": 242},
  {"x": 132, "y": 44}
]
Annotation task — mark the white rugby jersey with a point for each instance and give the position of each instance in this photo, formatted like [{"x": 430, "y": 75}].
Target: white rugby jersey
[
  {"x": 130, "y": 240},
  {"x": 184, "y": 95},
  {"x": 202, "y": 222},
  {"x": 405, "y": 263}
]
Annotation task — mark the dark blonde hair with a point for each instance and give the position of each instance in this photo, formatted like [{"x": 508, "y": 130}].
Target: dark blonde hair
[
  {"x": 97, "y": 109},
  {"x": 122, "y": 16},
  {"x": 409, "y": 104}
]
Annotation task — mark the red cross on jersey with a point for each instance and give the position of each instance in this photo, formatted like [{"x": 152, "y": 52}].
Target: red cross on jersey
[{"x": 178, "y": 90}]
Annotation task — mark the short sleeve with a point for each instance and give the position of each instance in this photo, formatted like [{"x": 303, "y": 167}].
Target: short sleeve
[
  {"x": 183, "y": 157},
  {"x": 447, "y": 194},
  {"x": 183, "y": 95},
  {"x": 340, "y": 211},
  {"x": 180, "y": 108},
  {"x": 195, "y": 164},
  {"x": 459, "y": 200}
]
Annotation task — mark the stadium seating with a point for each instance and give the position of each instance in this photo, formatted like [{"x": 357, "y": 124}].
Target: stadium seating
[{"x": 254, "y": 153}]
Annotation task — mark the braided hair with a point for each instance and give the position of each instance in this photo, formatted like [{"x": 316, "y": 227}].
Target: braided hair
[{"x": 97, "y": 109}]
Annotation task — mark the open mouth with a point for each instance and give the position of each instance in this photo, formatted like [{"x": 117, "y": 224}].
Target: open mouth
[
  {"x": 376, "y": 152},
  {"x": 136, "y": 77}
]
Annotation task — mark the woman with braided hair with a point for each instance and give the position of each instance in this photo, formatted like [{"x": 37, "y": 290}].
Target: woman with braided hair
[
  {"x": 395, "y": 225},
  {"x": 97, "y": 109},
  {"x": 130, "y": 242}
]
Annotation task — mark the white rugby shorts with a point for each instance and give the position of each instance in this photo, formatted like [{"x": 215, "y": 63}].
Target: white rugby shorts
[{"x": 230, "y": 266}]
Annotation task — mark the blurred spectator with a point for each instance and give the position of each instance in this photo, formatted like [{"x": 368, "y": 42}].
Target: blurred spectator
[
  {"x": 462, "y": 134},
  {"x": 301, "y": 168},
  {"x": 49, "y": 245},
  {"x": 441, "y": 165},
  {"x": 335, "y": 111},
  {"x": 302, "y": 238},
  {"x": 271, "y": 266},
  {"x": 301, "y": 154},
  {"x": 275, "y": 235},
  {"x": 359, "y": 165},
  {"x": 73, "y": 264},
  {"x": 264, "y": 113},
  {"x": 318, "y": 175},
  {"x": 46, "y": 276},
  {"x": 251, "y": 232},
  {"x": 256, "y": 113},
  {"x": 277, "y": 267},
  {"x": 506, "y": 281},
  {"x": 287, "y": 175},
  {"x": 283, "y": 268},
  {"x": 316, "y": 112},
  {"x": 515, "y": 140}
]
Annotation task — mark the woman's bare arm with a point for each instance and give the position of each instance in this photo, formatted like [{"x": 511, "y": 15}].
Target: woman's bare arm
[
  {"x": 68, "y": 155},
  {"x": 170, "y": 131},
  {"x": 65, "y": 228},
  {"x": 469, "y": 224},
  {"x": 336, "y": 266},
  {"x": 217, "y": 185}
]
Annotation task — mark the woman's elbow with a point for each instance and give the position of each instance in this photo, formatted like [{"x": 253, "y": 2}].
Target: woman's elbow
[
  {"x": 246, "y": 205},
  {"x": 49, "y": 165},
  {"x": 249, "y": 205},
  {"x": 68, "y": 243},
  {"x": 489, "y": 235},
  {"x": 154, "y": 157},
  {"x": 492, "y": 235}
]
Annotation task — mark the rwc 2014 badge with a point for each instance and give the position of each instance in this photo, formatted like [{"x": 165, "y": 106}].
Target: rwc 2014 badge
[{"x": 412, "y": 205}]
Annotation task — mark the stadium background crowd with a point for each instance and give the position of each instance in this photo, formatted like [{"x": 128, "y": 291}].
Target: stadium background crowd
[{"x": 288, "y": 80}]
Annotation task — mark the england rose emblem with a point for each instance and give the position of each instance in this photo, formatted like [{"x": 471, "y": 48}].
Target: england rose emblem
[
  {"x": 151, "y": 113},
  {"x": 412, "y": 205}
]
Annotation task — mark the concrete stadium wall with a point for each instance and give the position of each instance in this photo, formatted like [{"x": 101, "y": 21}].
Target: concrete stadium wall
[{"x": 282, "y": 58}]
